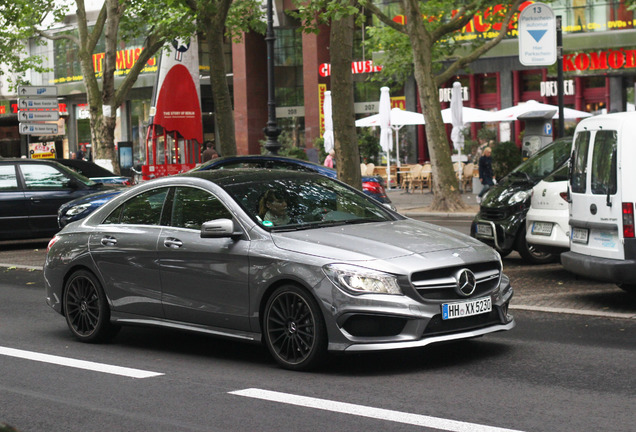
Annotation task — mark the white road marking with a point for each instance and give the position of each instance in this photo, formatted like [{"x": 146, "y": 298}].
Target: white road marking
[
  {"x": 80, "y": 364},
  {"x": 604, "y": 314},
  {"x": 370, "y": 412}
]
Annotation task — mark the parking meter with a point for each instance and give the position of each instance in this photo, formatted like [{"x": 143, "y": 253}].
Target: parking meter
[{"x": 538, "y": 131}]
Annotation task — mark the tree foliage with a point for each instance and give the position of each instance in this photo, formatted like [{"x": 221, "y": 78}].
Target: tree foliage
[{"x": 431, "y": 29}]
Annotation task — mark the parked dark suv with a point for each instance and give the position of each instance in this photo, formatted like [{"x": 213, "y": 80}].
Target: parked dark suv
[
  {"x": 31, "y": 191},
  {"x": 501, "y": 221}
]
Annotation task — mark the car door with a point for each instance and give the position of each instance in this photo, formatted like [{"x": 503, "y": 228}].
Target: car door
[
  {"x": 204, "y": 280},
  {"x": 124, "y": 249},
  {"x": 46, "y": 188},
  {"x": 13, "y": 205}
]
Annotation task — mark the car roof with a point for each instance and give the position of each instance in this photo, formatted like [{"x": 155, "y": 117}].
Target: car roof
[
  {"x": 89, "y": 169},
  {"x": 227, "y": 177}
]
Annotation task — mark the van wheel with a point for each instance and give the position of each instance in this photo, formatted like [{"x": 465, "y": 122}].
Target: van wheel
[
  {"x": 529, "y": 253},
  {"x": 628, "y": 288}
]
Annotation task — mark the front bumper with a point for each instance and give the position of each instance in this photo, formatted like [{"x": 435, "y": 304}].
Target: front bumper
[
  {"x": 602, "y": 269},
  {"x": 504, "y": 231}
]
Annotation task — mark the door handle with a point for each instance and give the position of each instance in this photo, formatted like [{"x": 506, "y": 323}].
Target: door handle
[
  {"x": 109, "y": 241},
  {"x": 172, "y": 243}
]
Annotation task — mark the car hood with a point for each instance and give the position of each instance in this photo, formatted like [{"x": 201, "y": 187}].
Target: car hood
[
  {"x": 103, "y": 195},
  {"x": 382, "y": 240},
  {"x": 498, "y": 195}
]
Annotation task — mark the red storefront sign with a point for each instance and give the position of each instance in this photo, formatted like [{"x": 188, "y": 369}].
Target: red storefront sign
[
  {"x": 611, "y": 59},
  {"x": 357, "y": 67}
]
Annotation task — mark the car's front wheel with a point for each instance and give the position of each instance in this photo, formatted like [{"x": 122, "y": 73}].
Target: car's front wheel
[
  {"x": 294, "y": 329},
  {"x": 86, "y": 308}
]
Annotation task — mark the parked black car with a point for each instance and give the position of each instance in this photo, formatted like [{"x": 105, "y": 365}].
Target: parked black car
[
  {"x": 501, "y": 221},
  {"x": 94, "y": 172},
  {"x": 31, "y": 191}
]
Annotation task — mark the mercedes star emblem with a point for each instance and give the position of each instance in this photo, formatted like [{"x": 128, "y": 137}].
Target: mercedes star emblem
[{"x": 466, "y": 282}]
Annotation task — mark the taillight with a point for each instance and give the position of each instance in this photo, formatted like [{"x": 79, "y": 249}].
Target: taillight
[
  {"x": 628, "y": 220},
  {"x": 564, "y": 195},
  {"x": 52, "y": 242},
  {"x": 374, "y": 187}
]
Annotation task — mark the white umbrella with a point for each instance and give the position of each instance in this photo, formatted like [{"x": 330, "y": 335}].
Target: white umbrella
[
  {"x": 328, "y": 135},
  {"x": 458, "y": 123},
  {"x": 469, "y": 115},
  {"x": 385, "y": 129},
  {"x": 511, "y": 113}
]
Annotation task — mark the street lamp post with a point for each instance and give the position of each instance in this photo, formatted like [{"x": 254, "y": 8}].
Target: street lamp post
[{"x": 271, "y": 131}]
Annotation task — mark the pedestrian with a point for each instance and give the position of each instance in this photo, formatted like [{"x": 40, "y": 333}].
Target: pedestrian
[
  {"x": 329, "y": 160},
  {"x": 486, "y": 175},
  {"x": 209, "y": 153}
]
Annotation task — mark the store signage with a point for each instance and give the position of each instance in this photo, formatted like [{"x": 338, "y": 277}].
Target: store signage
[
  {"x": 292, "y": 111},
  {"x": 551, "y": 88},
  {"x": 611, "y": 59},
  {"x": 446, "y": 93},
  {"x": 537, "y": 36},
  {"x": 44, "y": 150},
  {"x": 357, "y": 67},
  {"x": 33, "y": 111}
]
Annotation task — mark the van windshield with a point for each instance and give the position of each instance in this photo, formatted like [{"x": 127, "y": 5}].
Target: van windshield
[{"x": 545, "y": 162}]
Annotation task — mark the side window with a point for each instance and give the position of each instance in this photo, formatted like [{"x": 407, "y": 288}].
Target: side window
[
  {"x": 191, "y": 207},
  {"x": 603, "y": 170},
  {"x": 579, "y": 161},
  {"x": 143, "y": 209},
  {"x": 8, "y": 179},
  {"x": 43, "y": 177}
]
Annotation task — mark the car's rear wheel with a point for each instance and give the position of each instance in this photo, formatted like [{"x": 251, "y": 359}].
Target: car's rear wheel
[
  {"x": 86, "y": 308},
  {"x": 529, "y": 253},
  {"x": 294, "y": 329}
]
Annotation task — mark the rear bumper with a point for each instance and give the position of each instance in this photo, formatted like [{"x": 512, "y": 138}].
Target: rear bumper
[{"x": 603, "y": 269}]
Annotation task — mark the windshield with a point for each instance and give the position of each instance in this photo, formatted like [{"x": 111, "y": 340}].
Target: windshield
[
  {"x": 79, "y": 177},
  {"x": 293, "y": 203},
  {"x": 545, "y": 162}
]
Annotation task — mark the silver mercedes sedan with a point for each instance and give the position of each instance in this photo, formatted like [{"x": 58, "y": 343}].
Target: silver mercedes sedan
[{"x": 301, "y": 262}]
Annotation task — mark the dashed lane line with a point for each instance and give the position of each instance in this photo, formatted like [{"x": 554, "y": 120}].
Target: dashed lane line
[
  {"x": 369, "y": 412},
  {"x": 79, "y": 364}
]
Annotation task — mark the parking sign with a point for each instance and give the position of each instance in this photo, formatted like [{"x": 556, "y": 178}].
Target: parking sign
[{"x": 537, "y": 36}]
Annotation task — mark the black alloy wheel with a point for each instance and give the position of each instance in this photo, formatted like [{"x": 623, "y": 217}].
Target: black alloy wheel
[
  {"x": 293, "y": 329},
  {"x": 86, "y": 309}
]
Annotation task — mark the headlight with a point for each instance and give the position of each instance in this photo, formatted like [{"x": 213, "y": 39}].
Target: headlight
[
  {"x": 519, "y": 197},
  {"x": 359, "y": 280},
  {"x": 78, "y": 209}
]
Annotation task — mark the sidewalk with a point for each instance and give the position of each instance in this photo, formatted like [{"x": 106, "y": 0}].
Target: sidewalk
[{"x": 418, "y": 204}]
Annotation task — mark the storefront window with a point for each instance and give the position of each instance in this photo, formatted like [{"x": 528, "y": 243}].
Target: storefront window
[
  {"x": 488, "y": 84},
  {"x": 531, "y": 81},
  {"x": 139, "y": 114}
]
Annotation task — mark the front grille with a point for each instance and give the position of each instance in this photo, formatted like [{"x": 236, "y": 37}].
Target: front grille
[
  {"x": 493, "y": 214},
  {"x": 439, "y": 326},
  {"x": 439, "y": 284}
]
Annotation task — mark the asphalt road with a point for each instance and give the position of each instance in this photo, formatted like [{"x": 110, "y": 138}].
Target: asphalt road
[{"x": 553, "y": 372}]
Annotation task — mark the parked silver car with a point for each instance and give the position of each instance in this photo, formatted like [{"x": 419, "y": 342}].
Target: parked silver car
[{"x": 297, "y": 260}]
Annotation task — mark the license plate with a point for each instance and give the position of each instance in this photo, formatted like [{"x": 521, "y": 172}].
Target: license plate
[
  {"x": 542, "y": 228},
  {"x": 579, "y": 235},
  {"x": 484, "y": 230},
  {"x": 465, "y": 309}
]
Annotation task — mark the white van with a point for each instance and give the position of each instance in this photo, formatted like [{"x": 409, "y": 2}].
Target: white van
[{"x": 602, "y": 194}]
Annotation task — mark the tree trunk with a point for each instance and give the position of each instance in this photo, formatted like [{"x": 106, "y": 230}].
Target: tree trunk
[
  {"x": 223, "y": 111},
  {"x": 346, "y": 140},
  {"x": 446, "y": 194}
]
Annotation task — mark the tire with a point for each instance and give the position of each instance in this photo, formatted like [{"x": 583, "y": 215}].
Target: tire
[
  {"x": 529, "y": 252},
  {"x": 631, "y": 289},
  {"x": 86, "y": 308},
  {"x": 504, "y": 253},
  {"x": 294, "y": 329}
]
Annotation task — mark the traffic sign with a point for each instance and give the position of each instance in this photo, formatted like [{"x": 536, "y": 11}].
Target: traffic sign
[
  {"x": 537, "y": 36},
  {"x": 39, "y": 129},
  {"x": 37, "y": 91},
  {"x": 38, "y": 116},
  {"x": 37, "y": 104}
]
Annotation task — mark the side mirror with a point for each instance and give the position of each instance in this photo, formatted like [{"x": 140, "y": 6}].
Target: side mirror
[{"x": 219, "y": 228}]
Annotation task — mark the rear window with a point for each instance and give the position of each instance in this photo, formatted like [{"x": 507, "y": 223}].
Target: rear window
[
  {"x": 579, "y": 161},
  {"x": 604, "y": 163},
  {"x": 8, "y": 179}
]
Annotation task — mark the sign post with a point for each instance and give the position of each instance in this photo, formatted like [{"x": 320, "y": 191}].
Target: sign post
[
  {"x": 33, "y": 112},
  {"x": 537, "y": 36}
]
